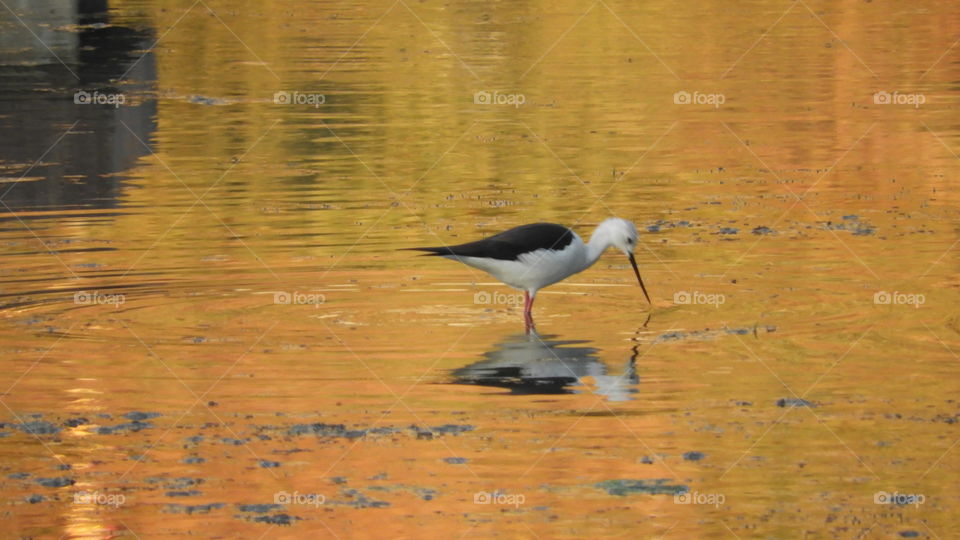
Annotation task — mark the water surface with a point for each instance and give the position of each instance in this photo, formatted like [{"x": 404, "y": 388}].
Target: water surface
[{"x": 208, "y": 328}]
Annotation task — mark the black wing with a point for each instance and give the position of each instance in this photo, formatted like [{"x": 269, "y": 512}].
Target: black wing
[{"x": 509, "y": 245}]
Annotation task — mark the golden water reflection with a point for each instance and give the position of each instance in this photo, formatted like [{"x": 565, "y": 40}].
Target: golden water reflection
[
  {"x": 535, "y": 364},
  {"x": 205, "y": 311}
]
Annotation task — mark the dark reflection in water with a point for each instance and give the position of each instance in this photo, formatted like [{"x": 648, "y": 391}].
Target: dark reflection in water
[
  {"x": 534, "y": 364},
  {"x": 54, "y": 51}
]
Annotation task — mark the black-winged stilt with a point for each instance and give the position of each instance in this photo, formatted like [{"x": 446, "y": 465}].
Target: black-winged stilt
[{"x": 530, "y": 257}]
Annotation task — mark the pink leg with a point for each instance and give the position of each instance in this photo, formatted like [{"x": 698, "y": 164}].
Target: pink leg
[{"x": 528, "y": 311}]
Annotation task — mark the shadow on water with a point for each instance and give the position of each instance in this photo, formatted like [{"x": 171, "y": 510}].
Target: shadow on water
[
  {"x": 56, "y": 152},
  {"x": 533, "y": 364}
]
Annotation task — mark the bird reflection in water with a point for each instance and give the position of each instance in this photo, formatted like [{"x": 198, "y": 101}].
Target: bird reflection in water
[{"x": 535, "y": 364}]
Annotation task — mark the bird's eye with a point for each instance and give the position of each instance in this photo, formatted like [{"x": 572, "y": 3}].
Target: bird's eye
[{"x": 629, "y": 240}]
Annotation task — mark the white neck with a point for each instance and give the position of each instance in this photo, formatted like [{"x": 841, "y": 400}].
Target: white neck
[{"x": 600, "y": 240}]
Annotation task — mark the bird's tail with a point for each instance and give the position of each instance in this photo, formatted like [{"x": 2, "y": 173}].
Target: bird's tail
[{"x": 431, "y": 251}]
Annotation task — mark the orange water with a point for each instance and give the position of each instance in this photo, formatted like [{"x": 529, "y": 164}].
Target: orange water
[{"x": 143, "y": 277}]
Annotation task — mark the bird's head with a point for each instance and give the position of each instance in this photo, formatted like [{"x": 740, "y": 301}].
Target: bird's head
[{"x": 622, "y": 234}]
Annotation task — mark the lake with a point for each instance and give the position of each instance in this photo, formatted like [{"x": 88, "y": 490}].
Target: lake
[{"x": 210, "y": 328}]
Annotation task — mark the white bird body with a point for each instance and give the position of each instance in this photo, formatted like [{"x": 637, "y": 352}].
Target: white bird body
[{"x": 534, "y": 270}]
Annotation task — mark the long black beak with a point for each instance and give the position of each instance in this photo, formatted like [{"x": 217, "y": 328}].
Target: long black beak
[{"x": 637, "y": 272}]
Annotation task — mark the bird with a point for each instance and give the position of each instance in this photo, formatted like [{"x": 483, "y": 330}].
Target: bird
[{"x": 533, "y": 256}]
